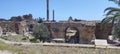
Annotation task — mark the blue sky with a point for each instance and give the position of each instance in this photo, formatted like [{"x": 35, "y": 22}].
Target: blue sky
[{"x": 80, "y": 9}]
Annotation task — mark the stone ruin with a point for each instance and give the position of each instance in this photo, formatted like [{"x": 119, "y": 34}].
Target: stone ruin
[
  {"x": 72, "y": 31},
  {"x": 17, "y": 24},
  {"x": 78, "y": 31}
]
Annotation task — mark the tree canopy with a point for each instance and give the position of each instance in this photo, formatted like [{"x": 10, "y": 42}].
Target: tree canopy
[
  {"x": 40, "y": 31},
  {"x": 116, "y": 1},
  {"x": 113, "y": 16}
]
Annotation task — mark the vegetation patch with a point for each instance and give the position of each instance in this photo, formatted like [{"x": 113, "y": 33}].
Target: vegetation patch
[
  {"x": 16, "y": 38},
  {"x": 41, "y": 32},
  {"x": 34, "y": 40},
  {"x": 3, "y": 46}
]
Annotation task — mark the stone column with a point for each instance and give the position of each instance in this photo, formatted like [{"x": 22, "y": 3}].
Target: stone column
[{"x": 47, "y": 2}]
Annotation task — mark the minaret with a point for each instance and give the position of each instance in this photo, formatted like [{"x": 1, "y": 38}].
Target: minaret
[
  {"x": 53, "y": 16},
  {"x": 47, "y": 2}
]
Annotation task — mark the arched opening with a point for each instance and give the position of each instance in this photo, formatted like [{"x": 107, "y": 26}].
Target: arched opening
[
  {"x": 16, "y": 28},
  {"x": 71, "y": 35},
  {"x": 31, "y": 27}
]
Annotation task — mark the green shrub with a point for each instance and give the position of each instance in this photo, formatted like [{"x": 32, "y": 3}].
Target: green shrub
[
  {"x": 5, "y": 37},
  {"x": 17, "y": 38},
  {"x": 34, "y": 40},
  {"x": 24, "y": 38},
  {"x": 41, "y": 32}
]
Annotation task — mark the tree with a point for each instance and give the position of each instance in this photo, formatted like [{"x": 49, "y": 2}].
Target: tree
[
  {"x": 113, "y": 17},
  {"x": 113, "y": 14},
  {"x": 116, "y": 1},
  {"x": 41, "y": 32},
  {"x": 39, "y": 20},
  {"x": 117, "y": 30},
  {"x": 111, "y": 11}
]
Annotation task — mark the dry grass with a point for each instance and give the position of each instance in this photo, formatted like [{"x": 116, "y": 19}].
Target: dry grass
[
  {"x": 37, "y": 49},
  {"x": 16, "y": 38}
]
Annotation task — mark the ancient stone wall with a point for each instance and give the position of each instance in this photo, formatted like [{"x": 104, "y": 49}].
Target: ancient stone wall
[
  {"x": 7, "y": 24},
  {"x": 86, "y": 32},
  {"x": 103, "y": 32},
  {"x": 16, "y": 27},
  {"x": 17, "y": 24}
]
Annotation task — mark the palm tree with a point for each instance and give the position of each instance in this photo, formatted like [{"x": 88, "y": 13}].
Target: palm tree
[
  {"x": 112, "y": 11},
  {"x": 112, "y": 15},
  {"x": 116, "y": 1},
  {"x": 112, "y": 18},
  {"x": 117, "y": 30}
]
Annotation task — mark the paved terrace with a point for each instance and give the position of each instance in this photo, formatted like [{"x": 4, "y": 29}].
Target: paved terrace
[{"x": 58, "y": 44}]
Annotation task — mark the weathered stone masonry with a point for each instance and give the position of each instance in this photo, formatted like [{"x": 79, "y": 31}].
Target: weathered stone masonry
[{"x": 86, "y": 31}]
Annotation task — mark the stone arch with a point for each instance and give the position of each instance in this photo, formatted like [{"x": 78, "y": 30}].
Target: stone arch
[
  {"x": 31, "y": 27},
  {"x": 71, "y": 35}
]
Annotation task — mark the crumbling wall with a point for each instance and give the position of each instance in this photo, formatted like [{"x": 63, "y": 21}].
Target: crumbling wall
[
  {"x": 103, "y": 32},
  {"x": 86, "y": 32},
  {"x": 17, "y": 24}
]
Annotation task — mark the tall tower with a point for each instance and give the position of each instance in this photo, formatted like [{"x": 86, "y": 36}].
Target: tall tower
[{"x": 47, "y": 3}]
